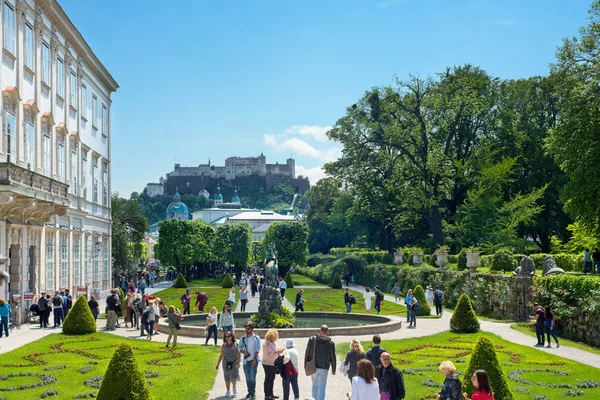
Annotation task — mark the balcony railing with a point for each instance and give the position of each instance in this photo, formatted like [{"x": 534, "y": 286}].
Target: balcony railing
[{"x": 11, "y": 174}]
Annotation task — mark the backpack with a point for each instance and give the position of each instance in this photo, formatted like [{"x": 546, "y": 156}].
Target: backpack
[
  {"x": 352, "y": 300},
  {"x": 69, "y": 302},
  {"x": 380, "y": 296},
  {"x": 145, "y": 314},
  {"x": 56, "y": 300},
  {"x": 278, "y": 364}
]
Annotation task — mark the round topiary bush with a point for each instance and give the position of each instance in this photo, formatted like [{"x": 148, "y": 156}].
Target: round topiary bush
[
  {"x": 123, "y": 378},
  {"x": 336, "y": 282},
  {"x": 228, "y": 282},
  {"x": 484, "y": 357},
  {"x": 79, "y": 320},
  {"x": 288, "y": 280},
  {"x": 464, "y": 319},
  {"x": 503, "y": 261},
  {"x": 424, "y": 308},
  {"x": 462, "y": 260},
  {"x": 180, "y": 282}
]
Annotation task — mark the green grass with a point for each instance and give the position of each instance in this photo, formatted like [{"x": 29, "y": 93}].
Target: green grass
[
  {"x": 332, "y": 300},
  {"x": 301, "y": 280},
  {"x": 93, "y": 352},
  {"x": 419, "y": 359},
  {"x": 206, "y": 282},
  {"x": 216, "y": 297},
  {"x": 529, "y": 329}
]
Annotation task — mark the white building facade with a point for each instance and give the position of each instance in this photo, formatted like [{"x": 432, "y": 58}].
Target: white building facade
[{"x": 55, "y": 172}]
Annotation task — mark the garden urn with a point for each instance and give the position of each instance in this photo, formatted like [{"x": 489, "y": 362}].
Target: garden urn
[
  {"x": 442, "y": 258},
  {"x": 473, "y": 260},
  {"x": 398, "y": 258},
  {"x": 418, "y": 257}
]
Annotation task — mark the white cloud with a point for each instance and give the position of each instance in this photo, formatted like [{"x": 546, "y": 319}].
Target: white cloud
[
  {"x": 314, "y": 174},
  {"x": 301, "y": 147},
  {"x": 317, "y": 132}
]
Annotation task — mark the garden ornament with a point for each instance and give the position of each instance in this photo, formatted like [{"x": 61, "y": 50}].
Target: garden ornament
[
  {"x": 526, "y": 267},
  {"x": 550, "y": 267}
]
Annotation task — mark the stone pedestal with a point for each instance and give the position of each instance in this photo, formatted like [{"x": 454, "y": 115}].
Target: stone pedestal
[{"x": 270, "y": 300}]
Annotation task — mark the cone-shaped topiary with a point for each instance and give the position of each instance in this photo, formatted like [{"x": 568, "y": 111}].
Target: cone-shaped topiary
[
  {"x": 336, "y": 282},
  {"x": 123, "y": 378},
  {"x": 227, "y": 282},
  {"x": 464, "y": 319},
  {"x": 121, "y": 297},
  {"x": 79, "y": 320},
  {"x": 424, "y": 308},
  {"x": 180, "y": 282},
  {"x": 484, "y": 357},
  {"x": 288, "y": 280}
]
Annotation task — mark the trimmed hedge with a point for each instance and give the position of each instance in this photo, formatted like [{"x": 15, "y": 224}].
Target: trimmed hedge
[
  {"x": 503, "y": 261},
  {"x": 288, "y": 280},
  {"x": 123, "y": 378},
  {"x": 79, "y": 319},
  {"x": 424, "y": 308},
  {"x": 228, "y": 282},
  {"x": 484, "y": 357},
  {"x": 180, "y": 282},
  {"x": 336, "y": 282},
  {"x": 464, "y": 319},
  {"x": 370, "y": 256},
  {"x": 317, "y": 259}
]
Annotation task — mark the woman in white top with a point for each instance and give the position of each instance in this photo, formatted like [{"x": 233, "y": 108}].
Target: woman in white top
[
  {"x": 368, "y": 297},
  {"x": 231, "y": 298},
  {"x": 211, "y": 325},
  {"x": 364, "y": 384},
  {"x": 429, "y": 296}
]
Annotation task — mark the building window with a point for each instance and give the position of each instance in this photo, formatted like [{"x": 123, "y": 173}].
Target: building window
[
  {"x": 74, "y": 170},
  {"x": 64, "y": 263},
  {"x": 96, "y": 268},
  {"x": 94, "y": 111},
  {"x": 61, "y": 161},
  {"x": 95, "y": 180},
  {"x": 30, "y": 145},
  {"x": 11, "y": 138},
  {"x": 60, "y": 78},
  {"x": 46, "y": 64},
  {"x": 83, "y": 101},
  {"x": 47, "y": 156},
  {"x": 104, "y": 121},
  {"x": 76, "y": 263},
  {"x": 29, "y": 49},
  {"x": 73, "y": 89},
  {"x": 9, "y": 28},
  {"x": 105, "y": 185},
  {"x": 105, "y": 262},
  {"x": 84, "y": 167},
  {"x": 50, "y": 263}
]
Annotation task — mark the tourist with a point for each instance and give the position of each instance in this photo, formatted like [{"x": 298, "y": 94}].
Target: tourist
[
  {"x": 282, "y": 287},
  {"x": 57, "y": 302},
  {"x": 300, "y": 300},
  {"x": 163, "y": 310},
  {"x": 44, "y": 307},
  {"x": 185, "y": 302},
  {"x": 596, "y": 258},
  {"x": 378, "y": 299},
  {"x": 270, "y": 352},
  {"x": 231, "y": 299},
  {"x": 452, "y": 389},
  {"x": 429, "y": 296},
  {"x": 390, "y": 378},
  {"x": 68, "y": 303},
  {"x": 414, "y": 306},
  {"x": 123, "y": 284},
  {"x": 141, "y": 307},
  {"x": 174, "y": 317},
  {"x": 230, "y": 358},
  {"x": 211, "y": 325},
  {"x": 243, "y": 298},
  {"x": 157, "y": 314},
  {"x": 291, "y": 377},
  {"x": 375, "y": 352},
  {"x": 136, "y": 299},
  {"x": 438, "y": 299},
  {"x": 226, "y": 323},
  {"x": 550, "y": 326},
  {"x": 142, "y": 285},
  {"x": 348, "y": 300},
  {"x": 253, "y": 286},
  {"x": 587, "y": 262},
  {"x": 94, "y": 307},
  {"x": 250, "y": 347},
  {"x": 148, "y": 318},
  {"x": 201, "y": 300},
  {"x": 397, "y": 291},
  {"x": 364, "y": 384},
  {"x": 355, "y": 354},
  {"x": 130, "y": 310},
  {"x": 407, "y": 304},
  {"x": 152, "y": 279},
  {"x": 4, "y": 316},
  {"x": 324, "y": 356},
  {"x": 540, "y": 319},
  {"x": 481, "y": 381},
  {"x": 347, "y": 279},
  {"x": 368, "y": 298},
  {"x": 131, "y": 287}
]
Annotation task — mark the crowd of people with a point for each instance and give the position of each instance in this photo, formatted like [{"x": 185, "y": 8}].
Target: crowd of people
[{"x": 58, "y": 305}]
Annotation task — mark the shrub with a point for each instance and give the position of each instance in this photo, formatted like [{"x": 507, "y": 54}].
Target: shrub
[
  {"x": 121, "y": 297},
  {"x": 424, "y": 308},
  {"x": 283, "y": 318},
  {"x": 484, "y": 357},
  {"x": 288, "y": 280},
  {"x": 503, "y": 261},
  {"x": 317, "y": 259},
  {"x": 79, "y": 320},
  {"x": 453, "y": 259},
  {"x": 228, "y": 282},
  {"x": 462, "y": 259},
  {"x": 336, "y": 282},
  {"x": 180, "y": 282},
  {"x": 464, "y": 319},
  {"x": 123, "y": 378}
]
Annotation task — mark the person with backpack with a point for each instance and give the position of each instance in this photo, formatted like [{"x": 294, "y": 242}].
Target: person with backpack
[
  {"x": 375, "y": 352},
  {"x": 320, "y": 351},
  {"x": 43, "y": 307},
  {"x": 141, "y": 306},
  {"x": 57, "y": 308},
  {"x": 271, "y": 352},
  {"x": 290, "y": 375},
  {"x": 413, "y": 307},
  {"x": 68, "y": 304},
  {"x": 438, "y": 299},
  {"x": 185, "y": 302},
  {"x": 378, "y": 299},
  {"x": 348, "y": 300},
  {"x": 407, "y": 303},
  {"x": 94, "y": 307}
]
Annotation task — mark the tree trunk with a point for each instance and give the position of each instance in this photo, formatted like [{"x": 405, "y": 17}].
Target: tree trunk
[{"x": 435, "y": 222}]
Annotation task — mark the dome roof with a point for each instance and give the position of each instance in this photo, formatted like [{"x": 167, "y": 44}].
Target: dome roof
[
  {"x": 218, "y": 195},
  {"x": 177, "y": 207},
  {"x": 235, "y": 198}
]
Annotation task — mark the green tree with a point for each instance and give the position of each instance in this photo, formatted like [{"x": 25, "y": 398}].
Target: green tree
[
  {"x": 464, "y": 319},
  {"x": 128, "y": 225},
  {"x": 484, "y": 357},
  {"x": 289, "y": 281},
  {"x": 123, "y": 378},
  {"x": 184, "y": 243},
  {"x": 336, "y": 282},
  {"x": 233, "y": 244},
  {"x": 228, "y": 282},
  {"x": 290, "y": 241},
  {"x": 180, "y": 282},
  {"x": 423, "y": 308}
]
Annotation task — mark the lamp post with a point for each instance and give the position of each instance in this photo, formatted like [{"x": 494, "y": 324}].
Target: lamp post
[{"x": 95, "y": 252}]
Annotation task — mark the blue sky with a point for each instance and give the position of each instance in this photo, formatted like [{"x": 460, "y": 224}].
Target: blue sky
[{"x": 212, "y": 79}]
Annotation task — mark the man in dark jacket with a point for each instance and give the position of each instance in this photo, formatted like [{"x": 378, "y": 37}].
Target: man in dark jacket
[
  {"x": 375, "y": 352},
  {"x": 324, "y": 356},
  {"x": 378, "y": 299},
  {"x": 390, "y": 379},
  {"x": 43, "y": 304},
  {"x": 300, "y": 300},
  {"x": 347, "y": 300}
]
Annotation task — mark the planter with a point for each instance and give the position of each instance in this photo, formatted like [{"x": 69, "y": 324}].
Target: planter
[
  {"x": 418, "y": 258},
  {"x": 398, "y": 258},
  {"x": 473, "y": 260},
  {"x": 442, "y": 258}
]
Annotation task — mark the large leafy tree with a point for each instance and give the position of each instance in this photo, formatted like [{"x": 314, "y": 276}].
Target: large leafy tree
[
  {"x": 129, "y": 226},
  {"x": 233, "y": 243},
  {"x": 290, "y": 242},
  {"x": 185, "y": 243}
]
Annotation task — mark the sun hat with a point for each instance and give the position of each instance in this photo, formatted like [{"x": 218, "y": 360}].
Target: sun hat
[{"x": 289, "y": 343}]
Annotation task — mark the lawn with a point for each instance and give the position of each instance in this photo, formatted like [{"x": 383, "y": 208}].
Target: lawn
[
  {"x": 332, "y": 300},
  {"x": 216, "y": 297},
  {"x": 301, "y": 280},
  {"x": 206, "y": 282},
  {"x": 530, "y": 371},
  {"x": 73, "y": 365},
  {"x": 529, "y": 329}
]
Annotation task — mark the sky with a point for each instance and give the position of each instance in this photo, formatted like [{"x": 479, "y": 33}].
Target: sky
[{"x": 210, "y": 79}]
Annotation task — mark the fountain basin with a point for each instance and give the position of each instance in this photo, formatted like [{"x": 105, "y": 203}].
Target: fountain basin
[{"x": 307, "y": 324}]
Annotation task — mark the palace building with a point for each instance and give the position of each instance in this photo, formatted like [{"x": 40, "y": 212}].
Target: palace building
[{"x": 55, "y": 171}]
